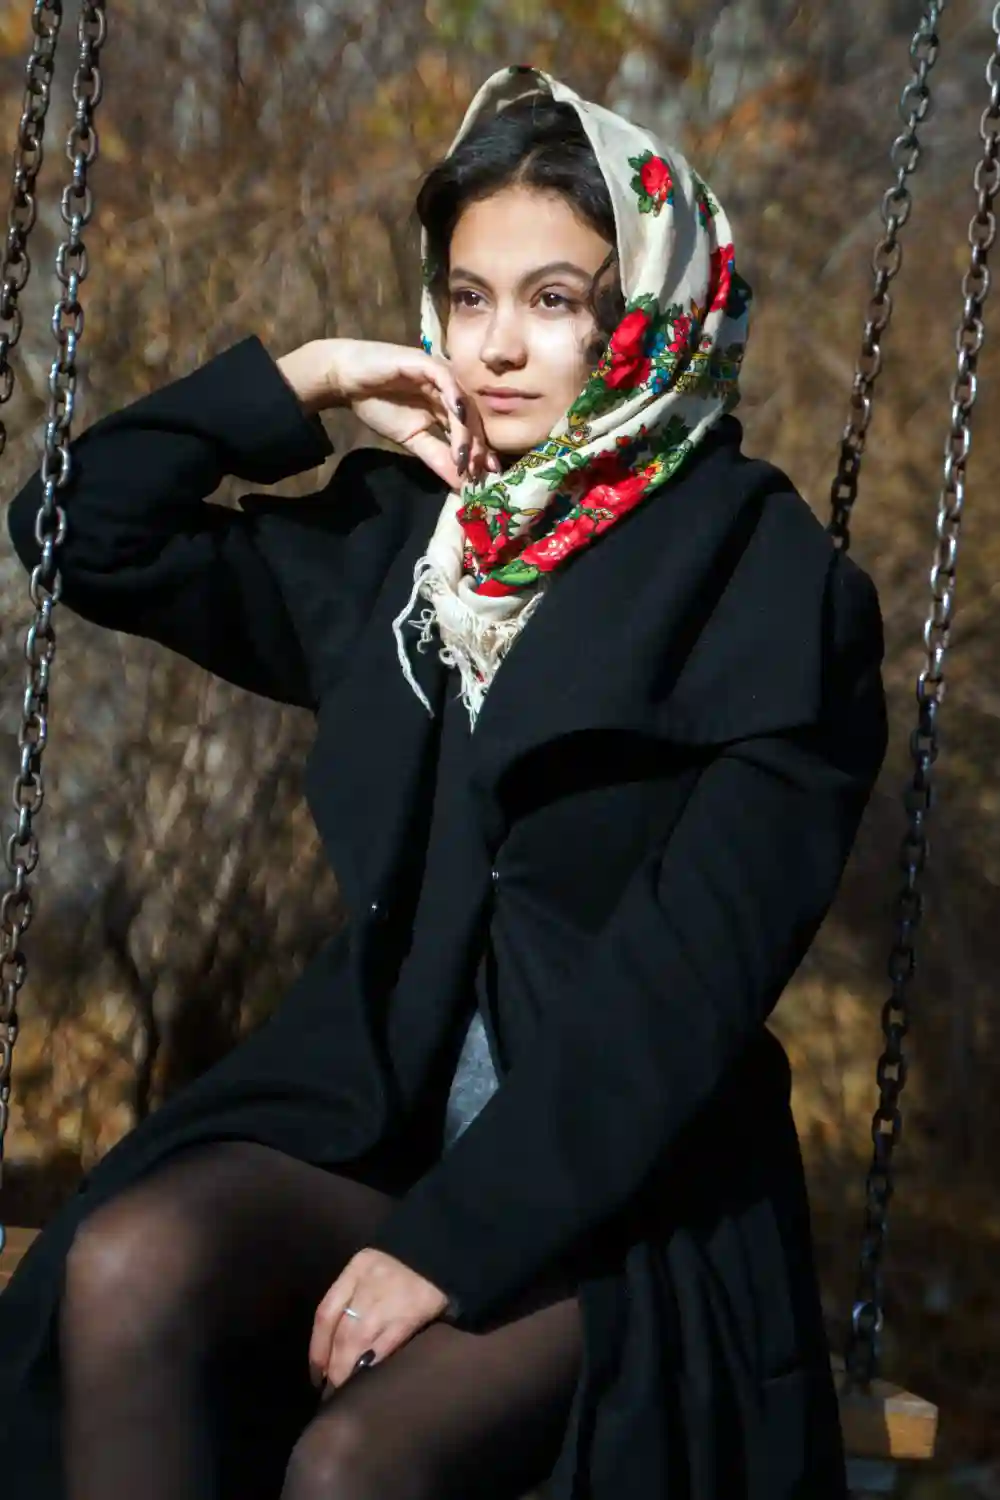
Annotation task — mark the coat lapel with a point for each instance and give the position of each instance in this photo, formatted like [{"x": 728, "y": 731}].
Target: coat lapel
[{"x": 696, "y": 619}]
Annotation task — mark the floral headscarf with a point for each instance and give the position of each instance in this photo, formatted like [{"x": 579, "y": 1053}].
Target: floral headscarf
[{"x": 671, "y": 369}]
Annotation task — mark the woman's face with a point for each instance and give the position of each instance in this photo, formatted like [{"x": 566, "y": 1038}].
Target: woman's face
[{"x": 521, "y": 267}]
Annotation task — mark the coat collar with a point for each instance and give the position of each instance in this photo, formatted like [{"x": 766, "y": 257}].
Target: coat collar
[
  {"x": 604, "y": 646},
  {"x": 697, "y": 619}
]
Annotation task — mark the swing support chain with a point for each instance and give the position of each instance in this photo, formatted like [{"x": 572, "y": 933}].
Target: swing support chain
[
  {"x": 46, "y": 20},
  {"x": 21, "y": 853},
  {"x": 861, "y": 1358},
  {"x": 915, "y": 105}
]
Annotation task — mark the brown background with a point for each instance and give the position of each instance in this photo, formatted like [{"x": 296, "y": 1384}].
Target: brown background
[{"x": 257, "y": 171}]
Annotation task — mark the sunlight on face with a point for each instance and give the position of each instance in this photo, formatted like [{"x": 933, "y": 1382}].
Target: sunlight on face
[{"x": 521, "y": 265}]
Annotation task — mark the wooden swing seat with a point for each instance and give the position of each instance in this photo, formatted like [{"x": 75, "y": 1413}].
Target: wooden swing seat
[{"x": 887, "y": 1422}]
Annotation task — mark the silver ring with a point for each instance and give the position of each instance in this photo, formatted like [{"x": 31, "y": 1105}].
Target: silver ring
[{"x": 350, "y": 1313}]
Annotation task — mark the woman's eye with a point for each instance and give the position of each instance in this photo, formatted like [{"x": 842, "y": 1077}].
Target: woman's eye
[
  {"x": 556, "y": 299},
  {"x": 465, "y": 297}
]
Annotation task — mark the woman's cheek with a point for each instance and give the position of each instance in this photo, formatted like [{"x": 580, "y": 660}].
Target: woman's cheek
[{"x": 560, "y": 350}]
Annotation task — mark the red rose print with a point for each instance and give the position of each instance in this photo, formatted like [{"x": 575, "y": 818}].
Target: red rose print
[
  {"x": 550, "y": 551},
  {"x": 505, "y": 549},
  {"x": 629, "y": 338},
  {"x": 656, "y": 179},
  {"x": 681, "y": 334},
  {"x": 627, "y": 366},
  {"x": 478, "y": 534},
  {"x": 723, "y": 264},
  {"x": 625, "y": 377},
  {"x": 607, "y": 468},
  {"x": 616, "y": 497}
]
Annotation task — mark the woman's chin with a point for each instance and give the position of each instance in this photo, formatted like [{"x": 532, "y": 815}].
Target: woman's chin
[{"x": 510, "y": 437}]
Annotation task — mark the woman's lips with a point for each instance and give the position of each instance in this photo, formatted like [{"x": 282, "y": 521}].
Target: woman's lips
[{"x": 505, "y": 401}]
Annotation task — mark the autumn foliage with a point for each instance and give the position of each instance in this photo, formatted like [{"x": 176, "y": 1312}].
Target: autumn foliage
[{"x": 258, "y": 162}]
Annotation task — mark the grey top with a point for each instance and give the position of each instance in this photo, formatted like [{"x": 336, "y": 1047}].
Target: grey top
[{"x": 474, "y": 1082}]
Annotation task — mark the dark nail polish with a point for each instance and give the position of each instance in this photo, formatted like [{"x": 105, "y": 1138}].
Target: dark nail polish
[
  {"x": 460, "y": 410},
  {"x": 463, "y": 458},
  {"x": 367, "y": 1359}
]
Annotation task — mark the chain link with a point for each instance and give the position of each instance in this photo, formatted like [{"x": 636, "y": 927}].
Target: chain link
[
  {"x": 21, "y": 853},
  {"x": 867, "y": 1318},
  {"x": 914, "y": 107},
  {"x": 46, "y": 21}
]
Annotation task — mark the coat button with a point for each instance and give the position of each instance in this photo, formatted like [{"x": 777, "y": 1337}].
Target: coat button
[{"x": 495, "y": 876}]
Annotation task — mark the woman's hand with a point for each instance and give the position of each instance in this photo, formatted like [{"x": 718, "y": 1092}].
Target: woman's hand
[
  {"x": 394, "y": 1303},
  {"x": 401, "y": 393}
]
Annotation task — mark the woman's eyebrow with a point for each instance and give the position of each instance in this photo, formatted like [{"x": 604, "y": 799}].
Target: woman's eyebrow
[{"x": 460, "y": 273}]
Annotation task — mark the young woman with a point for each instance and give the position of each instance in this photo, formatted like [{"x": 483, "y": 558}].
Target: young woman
[{"x": 508, "y": 1190}]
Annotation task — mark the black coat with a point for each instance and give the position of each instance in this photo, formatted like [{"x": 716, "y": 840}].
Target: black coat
[{"x": 664, "y": 785}]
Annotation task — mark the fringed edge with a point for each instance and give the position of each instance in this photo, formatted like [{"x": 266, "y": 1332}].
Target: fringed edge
[
  {"x": 477, "y": 650},
  {"x": 423, "y": 566}
]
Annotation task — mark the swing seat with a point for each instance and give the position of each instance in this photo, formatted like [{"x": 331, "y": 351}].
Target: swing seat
[{"x": 885, "y": 1422}]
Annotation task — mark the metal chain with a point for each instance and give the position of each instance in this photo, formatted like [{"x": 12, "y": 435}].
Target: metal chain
[
  {"x": 914, "y": 107},
  {"x": 50, "y": 529},
  {"x": 866, "y": 1322},
  {"x": 46, "y": 20}
]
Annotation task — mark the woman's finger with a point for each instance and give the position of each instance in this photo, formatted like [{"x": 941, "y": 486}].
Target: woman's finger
[
  {"x": 437, "y": 455},
  {"x": 451, "y": 411},
  {"x": 472, "y": 443},
  {"x": 480, "y": 451},
  {"x": 328, "y": 1315},
  {"x": 469, "y": 447},
  {"x": 481, "y": 454},
  {"x": 349, "y": 1347}
]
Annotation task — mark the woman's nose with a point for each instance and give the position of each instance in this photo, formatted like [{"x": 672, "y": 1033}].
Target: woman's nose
[{"x": 503, "y": 343}]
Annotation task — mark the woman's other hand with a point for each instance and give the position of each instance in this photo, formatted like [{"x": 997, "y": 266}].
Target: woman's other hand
[
  {"x": 394, "y": 1303},
  {"x": 403, "y": 394}
]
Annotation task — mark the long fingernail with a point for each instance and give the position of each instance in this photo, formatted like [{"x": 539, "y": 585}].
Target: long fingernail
[
  {"x": 367, "y": 1359},
  {"x": 463, "y": 458},
  {"x": 460, "y": 410}
]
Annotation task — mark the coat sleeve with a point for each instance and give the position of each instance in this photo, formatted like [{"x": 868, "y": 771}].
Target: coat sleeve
[
  {"x": 705, "y": 937},
  {"x": 145, "y": 554}
]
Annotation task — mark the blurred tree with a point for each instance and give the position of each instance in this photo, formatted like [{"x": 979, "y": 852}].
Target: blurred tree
[{"x": 258, "y": 164}]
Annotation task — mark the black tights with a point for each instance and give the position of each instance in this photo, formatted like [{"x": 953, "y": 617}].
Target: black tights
[{"x": 184, "y": 1331}]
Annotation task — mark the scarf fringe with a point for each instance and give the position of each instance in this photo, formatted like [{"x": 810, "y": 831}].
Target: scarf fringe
[{"x": 474, "y": 643}]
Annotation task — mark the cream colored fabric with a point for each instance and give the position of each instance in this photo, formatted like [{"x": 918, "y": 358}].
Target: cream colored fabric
[{"x": 671, "y": 370}]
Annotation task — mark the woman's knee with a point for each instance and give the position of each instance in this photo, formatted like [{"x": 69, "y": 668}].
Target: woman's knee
[
  {"x": 338, "y": 1454},
  {"x": 131, "y": 1272}
]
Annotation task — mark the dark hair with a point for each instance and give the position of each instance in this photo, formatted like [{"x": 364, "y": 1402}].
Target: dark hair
[{"x": 537, "y": 143}]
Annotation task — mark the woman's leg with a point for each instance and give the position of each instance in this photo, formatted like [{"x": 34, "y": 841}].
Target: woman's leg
[
  {"x": 185, "y": 1322},
  {"x": 449, "y": 1416}
]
